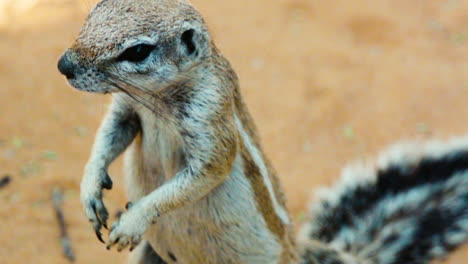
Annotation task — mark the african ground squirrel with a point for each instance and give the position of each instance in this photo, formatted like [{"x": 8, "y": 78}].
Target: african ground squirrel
[{"x": 202, "y": 190}]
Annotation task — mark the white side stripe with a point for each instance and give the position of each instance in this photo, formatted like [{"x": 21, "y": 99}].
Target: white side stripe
[{"x": 257, "y": 158}]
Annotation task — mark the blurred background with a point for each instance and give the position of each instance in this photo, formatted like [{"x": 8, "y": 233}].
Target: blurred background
[{"x": 328, "y": 82}]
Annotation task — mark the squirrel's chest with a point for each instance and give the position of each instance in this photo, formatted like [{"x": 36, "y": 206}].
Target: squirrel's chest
[{"x": 161, "y": 148}]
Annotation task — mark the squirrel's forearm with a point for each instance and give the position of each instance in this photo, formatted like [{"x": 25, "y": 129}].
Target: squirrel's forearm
[
  {"x": 183, "y": 189},
  {"x": 199, "y": 177},
  {"x": 119, "y": 128}
]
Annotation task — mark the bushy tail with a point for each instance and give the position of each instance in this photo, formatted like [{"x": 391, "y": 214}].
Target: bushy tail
[{"x": 412, "y": 207}]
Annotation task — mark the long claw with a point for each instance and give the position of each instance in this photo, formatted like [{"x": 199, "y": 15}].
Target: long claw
[
  {"x": 101, "y": 214},
  {"x": 97, "y": 223},
  {"x": 99, "y": 235},
  {"x": 104, "y": 215},
  {"x": 92, "y": 200}
]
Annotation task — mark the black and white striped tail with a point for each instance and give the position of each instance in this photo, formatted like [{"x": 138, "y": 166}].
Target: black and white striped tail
[{"x": 410, "y": 208}]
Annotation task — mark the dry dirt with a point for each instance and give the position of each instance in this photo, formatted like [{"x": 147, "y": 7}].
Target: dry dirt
[{"x": 328, "y": 82}]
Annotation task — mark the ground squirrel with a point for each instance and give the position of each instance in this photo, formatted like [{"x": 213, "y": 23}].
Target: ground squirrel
[{"x": 200, "y": 186}]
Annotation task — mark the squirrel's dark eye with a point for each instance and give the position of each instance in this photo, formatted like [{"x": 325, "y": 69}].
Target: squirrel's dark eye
[{"x": 136, "y": 53}]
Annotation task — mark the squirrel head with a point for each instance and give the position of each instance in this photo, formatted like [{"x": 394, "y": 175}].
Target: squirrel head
[{"x": 137, "y": 46}]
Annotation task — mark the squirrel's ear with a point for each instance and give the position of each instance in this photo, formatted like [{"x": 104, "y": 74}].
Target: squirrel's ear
[
  {"x": 194, "y": 40},
  {"x": 189, "y": 42}
]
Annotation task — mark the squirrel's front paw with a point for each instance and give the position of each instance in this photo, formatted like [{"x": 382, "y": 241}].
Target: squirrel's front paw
[
  {"x": 92, "y": 185},
  {"x": 128, "y": 230}
]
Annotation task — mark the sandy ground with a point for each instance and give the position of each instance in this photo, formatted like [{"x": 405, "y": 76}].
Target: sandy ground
[{"x": 328, "y": 82}]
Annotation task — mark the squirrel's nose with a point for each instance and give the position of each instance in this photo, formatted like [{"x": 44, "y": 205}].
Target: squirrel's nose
[{"x": 66, "y": 66}]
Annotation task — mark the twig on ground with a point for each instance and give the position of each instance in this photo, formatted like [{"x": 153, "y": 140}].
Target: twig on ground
[{"x": 57, "y": 198}]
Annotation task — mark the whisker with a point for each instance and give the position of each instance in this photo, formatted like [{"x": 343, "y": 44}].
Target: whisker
[
  {"x": 138, "y": 88},
  {"x": 180, "y": 79},
  {"x": 137, "y": 98},
  {"x": 146, "y": 96}
]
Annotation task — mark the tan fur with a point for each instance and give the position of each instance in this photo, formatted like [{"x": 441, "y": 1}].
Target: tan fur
[{"x": 104, "y": 30}]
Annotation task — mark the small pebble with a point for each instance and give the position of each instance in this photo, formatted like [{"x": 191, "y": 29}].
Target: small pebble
[{"x": 5, "y": 180}]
